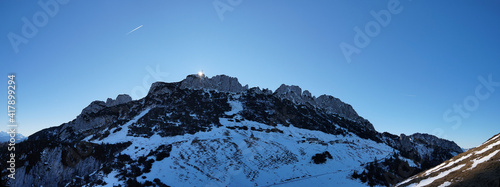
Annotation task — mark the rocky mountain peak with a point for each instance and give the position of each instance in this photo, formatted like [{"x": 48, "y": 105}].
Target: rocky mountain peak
[
  {"x": 120, "y": 99},
  {"x": 407, "y": 142},
  {"x": 96, "y": 106},
  {"x": 224, "y": 83},
  {"x": 435, "y": 141},
  {"x": 294, "y": 93},
  {"x": 329, "y": 103},
  {"x": 286, "y": 89},
  {"x": 221, "y": 83}
]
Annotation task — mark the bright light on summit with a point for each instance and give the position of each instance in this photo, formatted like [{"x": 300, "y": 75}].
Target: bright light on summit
[{"x": 200, "y": 74}]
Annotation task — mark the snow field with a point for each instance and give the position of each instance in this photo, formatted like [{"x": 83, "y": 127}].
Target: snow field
[{"x": 227, "y": 157}]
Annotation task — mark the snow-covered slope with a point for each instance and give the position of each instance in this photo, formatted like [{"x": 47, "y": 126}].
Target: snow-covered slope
[
  {"x": 232, "y": 156},
  {"x": 215, "y": 132},
  {"x": 477, "y": 167}
]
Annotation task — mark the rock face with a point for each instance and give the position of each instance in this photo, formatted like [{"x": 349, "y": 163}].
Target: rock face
[
  {"x": 161, "y": 88},
  {"x": 436, "y": 142},
  {"x": 222, "y": 83},
  {"x": 96, "y": 116},
  {"x": 96, "y": 106},
  {"x": 406, "y": 143},
  {"x": 120, "y": 99},
  {"x": 429, "y": 149},
  {"x": 214, "y": 131},
  {"x": 327, "y": 102},
  {"x": 57, "y": 168},
  {"x": 294, "y": 94}
]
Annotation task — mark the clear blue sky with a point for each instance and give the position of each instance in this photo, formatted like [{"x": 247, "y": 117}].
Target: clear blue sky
[{"x": 425, "y": 59}]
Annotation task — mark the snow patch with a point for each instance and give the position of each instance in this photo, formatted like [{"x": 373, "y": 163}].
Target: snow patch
[
  {"x": 236, "y": 107},
  {"x": 445, "y": 184},
  {"x": 484, "y": 159},
  {"x": 434, "y": 169},
  {"x": 441, "y": 175},
  {"x": 410, "y": 162},
  {"x": 111, "y": 179},
  {"x": 121, "y": 136},
  {"x": 450, "y": 163},
  {"x": 487, "y": 148},
  {"x": 495, "y": 137},
  {"x": 248, "y": 158}
]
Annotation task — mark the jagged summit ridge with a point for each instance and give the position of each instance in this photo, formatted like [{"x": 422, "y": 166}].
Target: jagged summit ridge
[
  {"x": 96, "y": 106},
  {"x": 221, "y": 83},
  {"x": 435, "y": 141},
  {"x": 224, "y": 83},
  {"x": 120, "y": 99},
  {"x": 329, "y": 103}
]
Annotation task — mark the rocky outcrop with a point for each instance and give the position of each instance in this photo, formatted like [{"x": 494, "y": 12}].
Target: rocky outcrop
[
  {"x": 94, "y": 107},
  {"x": 120, "y": 99},
  {"x": 407, "y": 143},
  {"x": 329, "y": 103},
  {"x": 431, "y": 140},
  {"x": 222, "y": 83},
  {"x": 294, "y": 93},
  {"x": 96, "y": 116},
  {"x": 428, "y": 149},
  {"x": 51, "y": 170},
  {"x": 160, "y": 88},
  {"x": 335, "y": 105}
]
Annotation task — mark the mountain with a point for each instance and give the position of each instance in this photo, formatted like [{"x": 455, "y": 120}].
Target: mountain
[
  {"x": 5, "y": 137},
  {"x": 479, "y": 166},
  {"x": 215, "y": 132}
]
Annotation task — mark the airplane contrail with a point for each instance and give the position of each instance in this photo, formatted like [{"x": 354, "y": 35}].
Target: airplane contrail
[{"x": 134, "y": 29}]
